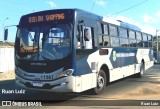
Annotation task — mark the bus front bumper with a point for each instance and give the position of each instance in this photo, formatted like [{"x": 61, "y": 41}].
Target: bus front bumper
[{"x": 65, "y": 84}]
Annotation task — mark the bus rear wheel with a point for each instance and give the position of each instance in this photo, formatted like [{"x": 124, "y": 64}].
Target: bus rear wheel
[
  {"x": 139, "y": 75},
  {"x": 101, "y": 83}
]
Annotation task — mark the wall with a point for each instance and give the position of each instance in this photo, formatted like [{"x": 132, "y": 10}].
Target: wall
[{"x": 6, "y": 59}]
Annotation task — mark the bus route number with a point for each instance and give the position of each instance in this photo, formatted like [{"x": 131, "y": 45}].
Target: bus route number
[{"x": 35, "y": 19}]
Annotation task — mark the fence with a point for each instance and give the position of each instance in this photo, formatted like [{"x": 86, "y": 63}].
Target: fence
[{"x": 6, "y": 59}]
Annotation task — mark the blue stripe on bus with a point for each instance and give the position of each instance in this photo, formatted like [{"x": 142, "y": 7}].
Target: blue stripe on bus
[
  {"x": 82, "y": 67},
  {"x": 121, "y": 57}
]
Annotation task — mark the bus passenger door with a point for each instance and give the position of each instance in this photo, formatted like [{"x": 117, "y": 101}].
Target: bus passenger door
[
  {"x": 83, "y": 50},
  {"x": 84, "y": 37},
  {"x": 88, "y": 38}
]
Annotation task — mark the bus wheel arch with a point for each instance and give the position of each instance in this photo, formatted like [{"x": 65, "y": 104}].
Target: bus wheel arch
[
  {"x": 102, "y": 80},
  {"x": 143, "y": 62},
  {"x": 105, "y": 68},
  {"x": 142, "y": 68}
]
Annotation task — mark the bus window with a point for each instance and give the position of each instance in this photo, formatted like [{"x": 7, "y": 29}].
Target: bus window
[
  {"x": 149, "y": 38},
  {"x": 85, "y": 41},
  {"x": 113, "y": 30},
  {"x": 123, "y": 37},
  {"x": 138, "y": 36},
  {"x": 145, "y": 40},
  {"x": 103, "y": 40},
  {"x": 139, "y": 43},
  {"x": 78, "y": 36},
  {"x": 124, "y": 42},
  {"x": 145, "y": 37},
  {"x": 132, "y": 39},
  {"x": 114, "y": 36},
  {"x": 139, "y": 39},
  {"x": 149, "y": 41},
  {"x": 41, "y": 42},
  {"x": 29, "y": 39},
  {"x": 105, "y": 29},
  {"x": 132, "y": 43},
  {"x": 88, "y": 37},
  {"x": 132, "y": 34},
  {"x": 114, "y": 41},
  {"x": 104, "y": 37},
  {"x": 122, "y": 32}
]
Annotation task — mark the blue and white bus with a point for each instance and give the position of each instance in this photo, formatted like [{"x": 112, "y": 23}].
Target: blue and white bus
[{"x": 71, "y": 50}]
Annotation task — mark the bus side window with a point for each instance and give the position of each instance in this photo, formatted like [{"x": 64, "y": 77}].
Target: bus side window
[
  {"x": 123, "y": 37},
  {"x": 114, "y": 41},
  {"x": 88, "y": 35},
  {"x": 84, "y": 37},
  {"x": 145, "y": 40},
  {"x": 104, "y": 36},
  {"x": 150, "y": 40},
  {"x": 139, "y": 39},
  {"x": 132, "y": 38},
  {"x": 113, "y": 32},
  {"x": 78, "y": 38}
]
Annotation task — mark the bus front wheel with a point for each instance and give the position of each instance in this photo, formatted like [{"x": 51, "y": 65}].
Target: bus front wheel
[{"x": 101, "y": 83}]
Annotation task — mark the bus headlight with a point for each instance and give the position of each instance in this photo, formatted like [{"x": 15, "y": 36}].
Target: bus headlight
[{"x": 65, "y": 73}]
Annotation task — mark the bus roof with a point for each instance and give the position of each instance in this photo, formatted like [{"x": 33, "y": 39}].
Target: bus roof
[
  {"x": 74, "y": 9},
  {"x": 91, "y": 15},
  {"x": 122, "y": 24}
]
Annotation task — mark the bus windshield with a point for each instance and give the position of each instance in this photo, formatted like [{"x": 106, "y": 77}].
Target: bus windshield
[{"x": 44, "y": 42}]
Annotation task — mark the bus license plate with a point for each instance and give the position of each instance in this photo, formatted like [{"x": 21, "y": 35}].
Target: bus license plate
[
  {"x": 47, "y": 77},
  {"x": 38, "y": 84}
]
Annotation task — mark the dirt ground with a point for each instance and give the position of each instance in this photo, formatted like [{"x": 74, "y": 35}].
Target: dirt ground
[
  {"x": 7, "y": 76},
  {"x": 145, "y": 92}
]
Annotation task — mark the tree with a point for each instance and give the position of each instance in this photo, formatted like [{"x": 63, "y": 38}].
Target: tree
[{"x": 155, "y": 43}]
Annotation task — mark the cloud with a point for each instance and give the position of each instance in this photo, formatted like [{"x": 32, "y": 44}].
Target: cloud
[
  {"x": 52, "y": 4},
  {"x": 148, "y": 19},
  {"x": 101, "y": 3},
  {"x": 149, "y": 29},
  {"x": 157, "y": 13}
]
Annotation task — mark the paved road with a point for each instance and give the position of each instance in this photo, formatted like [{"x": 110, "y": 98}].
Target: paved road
[{"x": 129, "y": 91}]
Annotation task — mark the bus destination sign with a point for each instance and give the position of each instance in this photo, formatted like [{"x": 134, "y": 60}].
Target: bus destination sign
[{"x": 43, "y": 18}]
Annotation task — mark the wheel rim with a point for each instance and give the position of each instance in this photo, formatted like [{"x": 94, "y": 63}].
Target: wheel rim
[{"x": 100, "y": 82}]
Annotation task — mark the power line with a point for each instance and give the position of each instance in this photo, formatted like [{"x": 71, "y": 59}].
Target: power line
[
  {"x": 128, "y": 8},
  {"x": 93, "y": 5}
]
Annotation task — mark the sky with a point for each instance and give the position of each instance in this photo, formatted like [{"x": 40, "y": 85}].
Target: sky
[{"x": 142, "y": 13}]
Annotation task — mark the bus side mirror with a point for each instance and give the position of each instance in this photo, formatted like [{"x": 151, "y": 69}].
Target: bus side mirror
[{"x": 6, "y": 34}]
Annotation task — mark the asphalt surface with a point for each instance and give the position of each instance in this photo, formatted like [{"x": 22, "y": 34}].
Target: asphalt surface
[{"x": 130, "y": 91}]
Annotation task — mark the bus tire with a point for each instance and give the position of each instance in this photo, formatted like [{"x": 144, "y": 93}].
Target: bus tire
[
  {"x": 101, "y": 83},
  {"x": 140, "y": 74}
]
